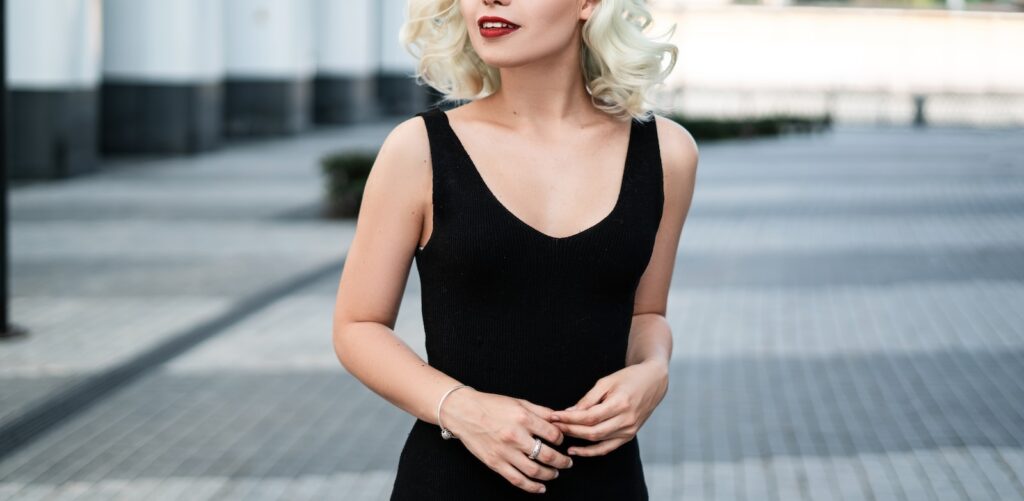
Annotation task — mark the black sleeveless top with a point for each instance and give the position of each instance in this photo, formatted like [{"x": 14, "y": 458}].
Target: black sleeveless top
[{"x": 508, "y": 309}]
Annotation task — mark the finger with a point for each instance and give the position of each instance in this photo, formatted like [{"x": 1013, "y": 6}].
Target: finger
[
  {"x": 600, "y": 431},
  {"x": 516, "y": 478},
  {"x": 500, "y": 464},
  {"x": 592, "y": 397},
  {"x": 540, "y": 410},
  {"x": 591, "y": 416},
  {"x": 529, "y": 467},
  {"x": 552, "y": 457},
  {"x": 598, "y": 449},
  {"x": 544, "y": 429}
]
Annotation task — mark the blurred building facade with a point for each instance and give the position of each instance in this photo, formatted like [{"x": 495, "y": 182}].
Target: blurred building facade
[{"x": 87, "y": 78}]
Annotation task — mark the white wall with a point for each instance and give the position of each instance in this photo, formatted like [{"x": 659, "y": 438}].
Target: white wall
[
  {"x": 269, "y": 38},
  {"x": 346, "y": 37},
  {"x": 163, "y": 40},
  {"x": 394, "y": 58},
  {"x": 53, "y": 44}
]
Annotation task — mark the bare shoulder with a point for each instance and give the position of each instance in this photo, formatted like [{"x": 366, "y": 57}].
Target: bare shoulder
[
  {"x": 679, "y": 152},
  {"x": 679, "y": 158},
  {"x": 402, "y": 167},
  {"x": 406, "y": 149}
]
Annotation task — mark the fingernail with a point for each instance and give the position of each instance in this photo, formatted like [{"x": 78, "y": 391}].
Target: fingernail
[
  {"x": 570, "y": 462},
  {"x": 543, "y": 488},
  {"x": 556, "y": 473},
  {"x": 571, "y": 408}
]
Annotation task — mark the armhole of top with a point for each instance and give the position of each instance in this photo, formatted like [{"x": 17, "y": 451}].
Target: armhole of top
[{"x": 428, "y": 126}]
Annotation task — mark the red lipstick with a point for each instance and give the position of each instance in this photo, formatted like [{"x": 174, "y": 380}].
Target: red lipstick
[{"x": 493, "y": 26}]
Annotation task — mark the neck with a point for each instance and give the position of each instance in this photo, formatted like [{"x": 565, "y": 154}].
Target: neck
[{"x": 545, "y": 91}]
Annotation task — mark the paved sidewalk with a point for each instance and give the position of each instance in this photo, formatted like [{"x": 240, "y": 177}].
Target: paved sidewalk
[{"x": 846, "y": 307}]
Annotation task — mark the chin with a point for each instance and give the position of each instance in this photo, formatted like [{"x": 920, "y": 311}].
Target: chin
[
  {"x": 505, "y": 57},
  {"x": 503, "y": 60}
]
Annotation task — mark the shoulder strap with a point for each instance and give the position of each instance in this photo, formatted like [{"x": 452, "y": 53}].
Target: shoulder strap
[
  {"x": 648, "y": 149},
  {"x": 645, "y": 182},
  {"x": 441, "y": 160},
  {"x": 648, "y": 133},
  {"x": 442, "y": 145},
  {"x": 432, "y": 117}
]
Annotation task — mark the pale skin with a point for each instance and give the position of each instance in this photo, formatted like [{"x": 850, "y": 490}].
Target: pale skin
[{"x": 554, "y": 160}]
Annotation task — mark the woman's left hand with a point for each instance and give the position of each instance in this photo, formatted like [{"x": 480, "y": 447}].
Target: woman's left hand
[{"x": 615, "y": 409}]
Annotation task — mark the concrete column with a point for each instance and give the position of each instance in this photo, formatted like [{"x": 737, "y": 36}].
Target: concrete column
[
  {"x": 344, "y": 89},
  {"x": 398, "y": 94},
  {"x": 162, "y": 72},
  {"x": 270, "y": 63},
  {"x": 53, "y": 56}
]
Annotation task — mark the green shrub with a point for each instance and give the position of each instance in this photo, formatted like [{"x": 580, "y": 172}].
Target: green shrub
[{"x": 345, "y": 174}]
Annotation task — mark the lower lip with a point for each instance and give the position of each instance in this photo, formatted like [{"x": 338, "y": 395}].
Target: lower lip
[{"x": 496, "y": 32}]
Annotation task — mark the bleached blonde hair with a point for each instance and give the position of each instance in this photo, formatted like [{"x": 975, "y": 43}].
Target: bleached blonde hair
[{"x": 620, "y": 64}]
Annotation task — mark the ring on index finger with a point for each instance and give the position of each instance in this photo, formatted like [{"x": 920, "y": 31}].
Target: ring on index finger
[{"x": 536, "y": 448}]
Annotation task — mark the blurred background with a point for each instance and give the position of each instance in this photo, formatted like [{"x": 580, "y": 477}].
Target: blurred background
[{"x": 183, "y": 179}]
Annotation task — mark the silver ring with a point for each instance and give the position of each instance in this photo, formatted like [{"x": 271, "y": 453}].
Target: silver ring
[{"x": 536, "y": 448}]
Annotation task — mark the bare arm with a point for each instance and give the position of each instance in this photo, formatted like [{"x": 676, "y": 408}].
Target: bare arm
[
  {"x": 394, "y": 371},
  {"x": 374, "y": 278}
]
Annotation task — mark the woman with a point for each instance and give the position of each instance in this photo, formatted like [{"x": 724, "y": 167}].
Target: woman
[{"x": 544, "y": 218}]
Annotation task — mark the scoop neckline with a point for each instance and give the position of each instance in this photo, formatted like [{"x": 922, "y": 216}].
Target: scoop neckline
[{"x": 627, "y": 161}]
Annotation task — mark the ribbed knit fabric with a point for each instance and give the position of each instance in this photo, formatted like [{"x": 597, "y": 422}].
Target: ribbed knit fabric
[{"x": 510, "y": 310}]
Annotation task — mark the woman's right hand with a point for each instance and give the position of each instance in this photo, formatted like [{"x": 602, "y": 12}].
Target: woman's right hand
[{"x": 499, "y": 430}]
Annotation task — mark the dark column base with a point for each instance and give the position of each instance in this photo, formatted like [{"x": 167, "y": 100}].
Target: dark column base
[
  {"x": 399, "y": 95},
  {"x": 160, "y": 118},
  {"x": 51, "y": 133},
  {"x": 266, "y": 107},
  {"x": 340, "y": 100}
]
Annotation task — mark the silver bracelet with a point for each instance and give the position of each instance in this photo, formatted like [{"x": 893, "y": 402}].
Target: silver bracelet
[{"x": 445, "y": 432}]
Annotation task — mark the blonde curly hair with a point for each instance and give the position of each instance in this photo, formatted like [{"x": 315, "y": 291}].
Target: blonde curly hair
[{"x": 620, "y": 64}]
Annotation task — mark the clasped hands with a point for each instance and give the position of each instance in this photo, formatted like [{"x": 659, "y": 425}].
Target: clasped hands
[
  {"x": 615, "y": 409},
  {"x": 501, "y": 430}
]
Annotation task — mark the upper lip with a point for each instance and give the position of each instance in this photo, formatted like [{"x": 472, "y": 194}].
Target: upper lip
[{"x": 493, "y": 19}]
